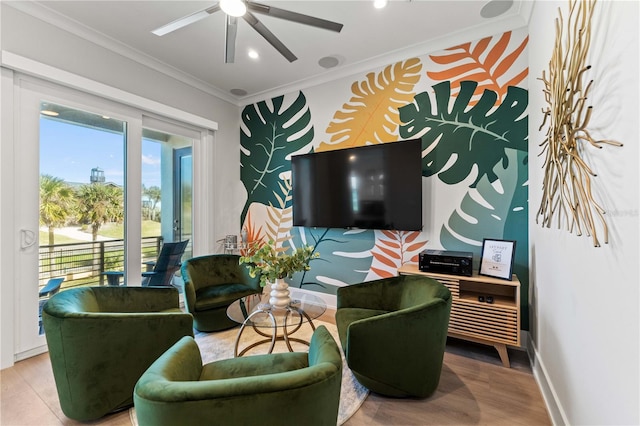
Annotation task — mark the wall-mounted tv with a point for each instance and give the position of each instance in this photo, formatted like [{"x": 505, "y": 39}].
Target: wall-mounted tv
[{"x": 368, "y": 187}]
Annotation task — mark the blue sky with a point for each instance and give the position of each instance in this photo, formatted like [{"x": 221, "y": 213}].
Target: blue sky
[{"x": 70, "y": 152}]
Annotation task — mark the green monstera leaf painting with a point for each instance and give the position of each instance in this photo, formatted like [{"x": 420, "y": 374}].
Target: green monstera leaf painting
[
  {"x": 476, "y": 136},
  {"x": 271, "y": 132}
]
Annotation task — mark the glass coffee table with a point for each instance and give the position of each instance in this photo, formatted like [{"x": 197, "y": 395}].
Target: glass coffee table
[{"x": 274, "y": 324}]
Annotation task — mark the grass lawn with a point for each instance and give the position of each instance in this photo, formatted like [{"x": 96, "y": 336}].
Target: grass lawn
[
  {"x": 57, "y": 239},
  {"x": 150, "y": 228}
]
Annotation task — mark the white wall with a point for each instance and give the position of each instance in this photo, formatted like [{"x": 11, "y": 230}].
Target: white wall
[
  {"x": 585, "y": 300},
  {"x": 32, "y": 38},
  {"x": 28, "y": 37}
]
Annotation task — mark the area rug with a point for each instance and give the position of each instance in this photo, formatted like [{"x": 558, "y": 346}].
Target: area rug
[{"x": 215, "y": 346}]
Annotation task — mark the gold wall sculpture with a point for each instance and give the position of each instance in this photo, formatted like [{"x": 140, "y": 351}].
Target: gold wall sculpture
[{"x": 567, "y": 193}]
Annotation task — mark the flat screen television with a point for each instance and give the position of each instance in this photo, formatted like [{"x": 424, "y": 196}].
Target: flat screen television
[{"x": 368, "y": 187}]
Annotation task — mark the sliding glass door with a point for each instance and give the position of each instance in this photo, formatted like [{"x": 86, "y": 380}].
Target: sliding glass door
[{"x": 95, "y": 196}]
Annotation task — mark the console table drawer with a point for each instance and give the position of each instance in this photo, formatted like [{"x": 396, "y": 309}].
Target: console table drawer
[{"x": 481, "y": 322}]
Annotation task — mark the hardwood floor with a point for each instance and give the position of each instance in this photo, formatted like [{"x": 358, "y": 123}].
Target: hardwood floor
[{"x": 474, "y": 389}]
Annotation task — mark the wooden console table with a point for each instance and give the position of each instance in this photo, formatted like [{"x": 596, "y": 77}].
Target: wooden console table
[{"x": 496, "y": 324}]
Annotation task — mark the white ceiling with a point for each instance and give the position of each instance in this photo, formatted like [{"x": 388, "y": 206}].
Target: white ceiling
[{"x": 194, "y": 54}]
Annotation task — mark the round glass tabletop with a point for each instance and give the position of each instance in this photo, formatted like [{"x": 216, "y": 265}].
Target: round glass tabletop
[{"x": 303, "y": 307}]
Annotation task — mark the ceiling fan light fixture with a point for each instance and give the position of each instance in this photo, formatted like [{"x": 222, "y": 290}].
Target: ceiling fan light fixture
[
  {"x": 234, "y": 8},
  {"x": 379, "y": 4}
]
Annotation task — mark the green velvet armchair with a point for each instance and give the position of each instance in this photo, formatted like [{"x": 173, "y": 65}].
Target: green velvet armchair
[
  {"x": 101, "y": 340},
  {"x": 274, "y": 389},
  {"x": 393, "y": 332},
  {"x": 211, "y": 284}
]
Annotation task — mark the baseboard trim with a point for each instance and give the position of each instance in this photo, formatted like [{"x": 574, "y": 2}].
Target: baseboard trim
[
  {"x": 557, "y": 414},
  {"x": 30, "y": 353},
  {"x": 329, "y": 299}
]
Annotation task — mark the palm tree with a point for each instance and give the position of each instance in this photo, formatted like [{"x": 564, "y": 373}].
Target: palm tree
[
  {"x": 99, "y": 204},
  {"x": 154, "y": 194},
  {"x": 56, "y": 203}
]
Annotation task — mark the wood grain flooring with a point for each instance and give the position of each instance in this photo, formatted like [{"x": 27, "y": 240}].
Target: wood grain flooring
[{"x": 475, "y": 389}]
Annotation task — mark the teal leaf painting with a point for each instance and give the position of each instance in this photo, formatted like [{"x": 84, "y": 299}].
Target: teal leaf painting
[
  {"x": 457, "y": 136},
  {"x": 497, "y": 210},
  {"x": 484, "y": 210},
  {"x": 345, "y": 257},
  {"x": 272, "y": 131}
]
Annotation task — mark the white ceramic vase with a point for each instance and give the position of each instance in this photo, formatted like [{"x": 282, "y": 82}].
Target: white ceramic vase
[{"x": 279, "y": 296}]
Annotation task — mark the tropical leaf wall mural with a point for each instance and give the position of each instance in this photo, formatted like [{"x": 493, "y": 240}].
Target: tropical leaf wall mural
[
  {"x": 371, "y": 115},
  {"x": 345, "y": 257},
  {"x": 468, "y": 104},
  {"x": 488, "y": 61},
  {"x": 280, "y": 218},
  {"x": 476, "y": 136},
  {"x": 271, "y": 131},
  {"x": 393, "y": 249}
]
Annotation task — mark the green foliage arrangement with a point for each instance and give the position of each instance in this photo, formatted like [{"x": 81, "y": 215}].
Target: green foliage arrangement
[{"x": 271, "y": 264}]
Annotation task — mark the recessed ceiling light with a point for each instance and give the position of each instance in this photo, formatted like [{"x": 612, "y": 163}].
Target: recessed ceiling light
[
  {"x": 253, "y": 54},
  {"x": 238, "y": 92},
  {"x": 495, "y": 8},
  {"x": 49, "y": 113},
  {"x": 330, "y": 61},
  {"x": 379, "y": 4}
]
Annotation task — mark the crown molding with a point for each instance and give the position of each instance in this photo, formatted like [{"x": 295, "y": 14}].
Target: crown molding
[
  {"x": 42, "y": 12},
  {"x": 422, "y": 48},
  {"x": 495, "y": 26},
  {"x": 48, "y": 73}
]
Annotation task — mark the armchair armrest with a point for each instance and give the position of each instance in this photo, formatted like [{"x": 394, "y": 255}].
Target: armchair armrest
[
  {"x": 410, "y": 332},
  {"x": 149, "y": 265}
]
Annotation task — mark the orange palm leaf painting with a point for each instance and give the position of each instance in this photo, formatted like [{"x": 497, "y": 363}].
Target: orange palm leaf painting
[
  {"x": 371, "y": 115},
  {"x": 487, "y": 62},
  {"x": 253, "y": 235},
  {"x": 393, "y": 249}
]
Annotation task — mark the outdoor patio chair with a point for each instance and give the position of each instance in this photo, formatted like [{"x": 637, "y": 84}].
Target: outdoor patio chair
[
  {"x": 168, "y": 263},
  {"x": 51, "y": 288}
]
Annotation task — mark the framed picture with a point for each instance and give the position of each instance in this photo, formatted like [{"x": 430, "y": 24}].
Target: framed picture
[{"x": 496, "y": 259}]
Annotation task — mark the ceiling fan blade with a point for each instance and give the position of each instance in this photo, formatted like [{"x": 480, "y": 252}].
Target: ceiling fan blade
[
  {"x": 269, "y": 36},
  {"x": 231, "y": 30},
  {"x": 294, "y": 16},
  {"x": 186, "y": 20}
]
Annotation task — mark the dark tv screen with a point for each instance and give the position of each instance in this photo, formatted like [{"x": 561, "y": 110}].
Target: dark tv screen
[{"x": 369, "y": 187}]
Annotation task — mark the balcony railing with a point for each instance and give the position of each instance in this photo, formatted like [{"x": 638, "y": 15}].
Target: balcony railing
[{"x": 82, "y": 264}]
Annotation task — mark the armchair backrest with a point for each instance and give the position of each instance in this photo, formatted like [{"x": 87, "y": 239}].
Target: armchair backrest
[
  {"x": 217, "y": 269},
  {"x": 414, "y": 292},
  {"x": 81, "y": 301},
  {"x": 71, "y": 302}
]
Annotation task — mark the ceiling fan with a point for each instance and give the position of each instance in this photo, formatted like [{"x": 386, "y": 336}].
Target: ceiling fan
[{"x": 246, "y": 9}]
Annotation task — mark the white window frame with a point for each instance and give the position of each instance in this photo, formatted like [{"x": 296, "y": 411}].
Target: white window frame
[{"x": 82, "y": 93}]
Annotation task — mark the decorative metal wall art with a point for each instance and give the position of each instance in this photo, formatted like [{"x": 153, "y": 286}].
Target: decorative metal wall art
[{"x": 567, "y": 177}]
